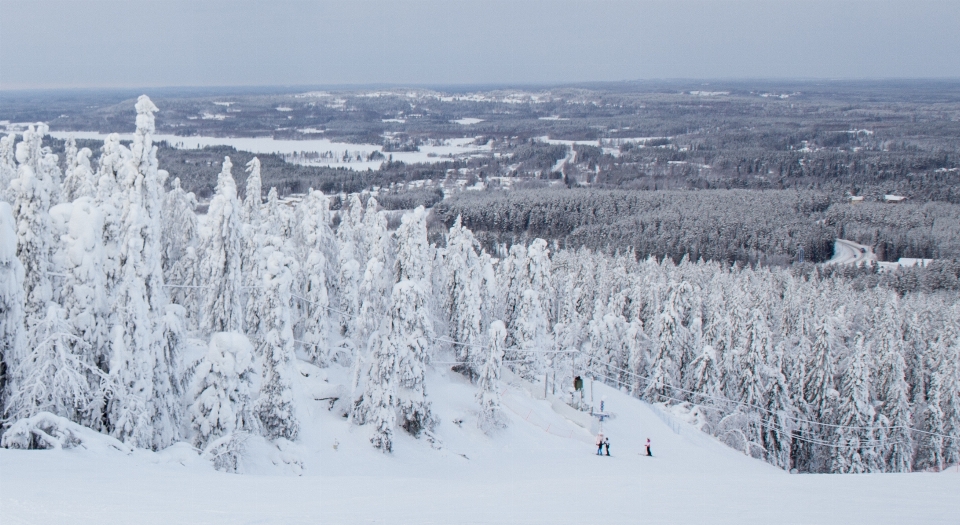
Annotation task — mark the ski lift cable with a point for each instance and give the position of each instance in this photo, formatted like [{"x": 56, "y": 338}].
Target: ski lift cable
[
  {"x": 763, "y": 409},
  {"x": 793, "y": 433}
]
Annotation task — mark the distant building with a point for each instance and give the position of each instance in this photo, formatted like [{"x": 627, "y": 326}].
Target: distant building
[{"x": 893, "y": 199}]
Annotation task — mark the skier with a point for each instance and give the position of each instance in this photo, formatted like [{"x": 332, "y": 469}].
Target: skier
[
  {"x": 599, "y": 444},
  {"x": 606, "y": 443},
  {"x": 648, "y": 448}
]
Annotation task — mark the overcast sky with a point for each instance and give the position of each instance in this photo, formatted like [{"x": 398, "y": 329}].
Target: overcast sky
[{"x": 76, "y": 43}]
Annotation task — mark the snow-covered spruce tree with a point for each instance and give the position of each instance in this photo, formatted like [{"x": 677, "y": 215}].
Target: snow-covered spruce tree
[
  {"x": 751, "y": 359},
  {"x": 668, "y": 336},
  {"x": 607, "y": 347},
  {"x": 378, "y": 404},
  {"x": 393, "y": 385},
  {"x": 488, "y": 393},
  {"x": 8, "y": 166},
  {"x": 637, "y": 345},
  {"x": 224, "y": 385},
  {"x": 222, "y": 258},
  {"x": 856, "y": 450},
  {"x": 31, "y": 205},
  {"x": 316, "y": 321},
  {"x": 463, "y": 297},
  {"x": 950, "y": 372},
  {"x": 180, "y": 226},
  {"x": 411, "y": 331},
  {"x": 274, "y": 344},
  {"x": 893, "y": 392},
  {"x": 414, "y": 254},
  {"x": 12, "y": 330},
  {"x": 819, "y": 388},
  {"x": 253, "y": 195},
  {"x": 951, "y": 404},
  {"x": 79, "y": 180},
  {"x": 350, "y": 271},
  {"x": 375, "y": 289},
  {"x": 930, "y": 445},
  {"x": 81, "y": 290},
  {"x": 530, "y": 335},
  {"x": 540, "y": 275},
  {"x": 110, "y": 200},
  {"x": 53, "y": 374},
  {"x": 378, "y": 278},
  {"x": 181, "y": 239},
  {"x": 314, "y": 241},
  {"x": 145, "y": 409},
  {"x": 705, "y": 377},
  {"x": 777, "y": 420}
]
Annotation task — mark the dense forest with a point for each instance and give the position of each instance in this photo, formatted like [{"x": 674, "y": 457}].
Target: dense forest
[
  {"x": 746, "y": 226},
  {"x": 110, "y": 279}
]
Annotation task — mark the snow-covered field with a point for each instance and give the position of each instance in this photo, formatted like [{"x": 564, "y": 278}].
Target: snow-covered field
[
  {"x": 527, "y": 473},
  {"x": 263, "y": 145}
]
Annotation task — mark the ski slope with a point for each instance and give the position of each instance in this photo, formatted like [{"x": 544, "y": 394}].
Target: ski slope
[{"x": 541, "y": 469}]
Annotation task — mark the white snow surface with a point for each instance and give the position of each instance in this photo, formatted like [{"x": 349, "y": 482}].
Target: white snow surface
[
  {"x": 261, "y": 145},
  {"x": 849, "y": 252},
  {"x": 541, "y": 469}
]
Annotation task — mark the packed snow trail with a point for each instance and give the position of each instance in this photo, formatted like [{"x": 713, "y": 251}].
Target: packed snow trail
[{"x": 521, "y": 475}]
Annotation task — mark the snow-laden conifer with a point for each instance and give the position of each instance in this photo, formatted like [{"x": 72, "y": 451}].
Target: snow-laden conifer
[
  {"x": 893, "y": 393},
  {"x": 8, "y": 166},
  {"x": 379, "y": 401},
  {"x": 530, "y": 335},
  {"x": 411, "y": 332},
  {"x": 950, "y": 372},
  {"x": 31, "y": 205},
  {"x": 378, "y": 278},
  {"x": 274, "y": 344},
  {"x": 463, "y": 297},
  {"x": 54, "y": 373},
  {"x": 414, "y": 254},
  {"x": 856, "y": 449},
  {"x": 224, "y": 386},
  {"x": 930, "y": 443},
  {"x": 12, "y": 329},
  {"x": 79, "y": 180},
  {"x": 220, "y": 269},
  {"x": 146, "y": 405},
  {"x": 488, "y": 384},
  {"x": 315, "y": 240},
  {"x": 253, "y": 195},
  {"x": 778, "y": 418}
]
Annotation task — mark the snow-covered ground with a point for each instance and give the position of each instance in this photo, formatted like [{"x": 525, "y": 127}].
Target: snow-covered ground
[
  {"x": 263, "y": 145},
  {"x": 541, "y": 469},
  {"x": 849, "y": 252}
]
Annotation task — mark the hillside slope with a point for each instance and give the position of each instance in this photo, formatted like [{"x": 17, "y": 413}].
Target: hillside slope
[{"x": 541, "y": 469}]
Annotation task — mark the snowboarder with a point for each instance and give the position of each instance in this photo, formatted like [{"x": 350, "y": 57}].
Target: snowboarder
[
  {"x": 606, "y": 444},
  {"x": 599, "y": 444},
  {"x": 648, "y": 448}
]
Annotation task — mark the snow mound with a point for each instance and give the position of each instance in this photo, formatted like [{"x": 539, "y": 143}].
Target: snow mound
[{"x": 47, "y": 431}]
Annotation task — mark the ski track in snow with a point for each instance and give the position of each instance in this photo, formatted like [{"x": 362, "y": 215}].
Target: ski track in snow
[{"x": 522, "y": 475}]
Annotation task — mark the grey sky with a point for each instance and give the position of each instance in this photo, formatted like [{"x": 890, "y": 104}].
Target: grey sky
[{"x": 47, "y": 44}]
